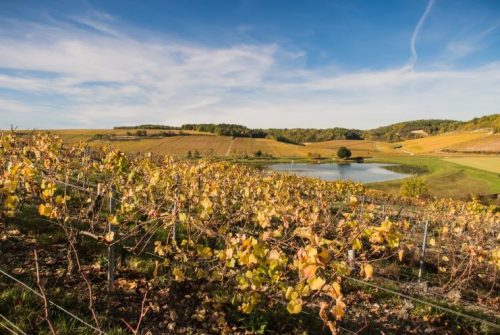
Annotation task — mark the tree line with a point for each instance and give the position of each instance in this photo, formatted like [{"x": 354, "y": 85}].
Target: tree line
[{"x": 391, "y": 133}]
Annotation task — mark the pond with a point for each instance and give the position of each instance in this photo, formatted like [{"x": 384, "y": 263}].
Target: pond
[{"x": 358, "y": 172}]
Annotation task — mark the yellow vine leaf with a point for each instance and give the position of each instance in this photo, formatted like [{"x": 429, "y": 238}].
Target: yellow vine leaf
[
  {"x": 49, "y": 190},
  {"x": 263, "y": 220},
  {"x": 178, "y": 275},
  {"x": 11, "y": 201},
  {"x": 252, "y": 259},
  {"x": 368, "y": 271},
  {"x": 294, "y": 306},
  {"x": 311, "y": 251},
  {"x": 336, "y": 289},
  {"x": 316, "y": 283},
  {"x": 357, "y": 244},
  {"x": 62, "y": 199},
  {"x": 274, "y": 255},
  {"x": 206, "y": 203},
  {"x": 10, "y": 186},
  {"x": 309, "y": 271},
  {"x": 126, "y": 285},
  {"x": 113, "y": 219},
  {"x": 109, "y": 237},
  {"x": 339, "y": 309},
  {"x": 324, "y": 256},
  {"x": 45, "y": 210}
]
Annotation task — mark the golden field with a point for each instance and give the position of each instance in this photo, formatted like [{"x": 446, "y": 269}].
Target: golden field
[
  {"x": 437, "y": 143},
  {"x": 226, "y": 146},
  {"x": 213, "y": 145},
  {"x": 491, "y": 164},
  {"x": 487, "y": 144}
]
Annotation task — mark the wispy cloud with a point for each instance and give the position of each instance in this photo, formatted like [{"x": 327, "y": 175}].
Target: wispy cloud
[
  {"x": 416, "y": 31},
  {"x": 469, "y": 42},
  {"x": 96, "y": 74}
]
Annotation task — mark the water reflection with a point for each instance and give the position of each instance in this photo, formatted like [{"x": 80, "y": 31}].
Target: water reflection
[{"x": 360, "y": 172}]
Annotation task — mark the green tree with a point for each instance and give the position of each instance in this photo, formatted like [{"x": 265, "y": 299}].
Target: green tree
[
  {"x": 414, "y": 187},
  {"x": 344, "y": 153}
]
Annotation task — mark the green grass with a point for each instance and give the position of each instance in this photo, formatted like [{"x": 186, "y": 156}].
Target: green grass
[
  {"x": 445, "y": 179},
  {"x": 491, "y": 164}
]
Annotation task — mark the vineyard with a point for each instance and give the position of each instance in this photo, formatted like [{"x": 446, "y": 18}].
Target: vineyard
[{"x": 97, "y": 242}]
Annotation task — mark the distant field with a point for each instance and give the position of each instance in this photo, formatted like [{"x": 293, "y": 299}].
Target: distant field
[
  {"x": 358, "y": 148},
  {"x": 209, "y": 144},
  {"x": 212, "y": 145},
  {"x": 486, "y": 144},
  {"x": 491, "y": 164},
  {"x": 226, "y": 146},
  {"x": 175, "y": 145},
  {"x": 240, "y": 146},
  {"x": 439, "y": 142},
  {"x": 77, "y": 135}
]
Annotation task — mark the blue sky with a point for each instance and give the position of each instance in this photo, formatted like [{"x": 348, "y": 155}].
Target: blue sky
[{"x": 80, "y": 64}]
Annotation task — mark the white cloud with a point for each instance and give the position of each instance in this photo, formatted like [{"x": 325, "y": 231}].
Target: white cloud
[
  {"x": 96, "y": 74},
  {"x": 416, "y": 31}
]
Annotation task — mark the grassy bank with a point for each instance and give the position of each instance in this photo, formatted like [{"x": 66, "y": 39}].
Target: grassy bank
[{"x": 444, "y": 178}]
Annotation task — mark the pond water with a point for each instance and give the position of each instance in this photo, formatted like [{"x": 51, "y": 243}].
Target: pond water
[{"x": 359, "y": 172}]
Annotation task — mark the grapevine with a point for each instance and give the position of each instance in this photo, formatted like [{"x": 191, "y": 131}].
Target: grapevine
[{"x": 240, "y": 237}]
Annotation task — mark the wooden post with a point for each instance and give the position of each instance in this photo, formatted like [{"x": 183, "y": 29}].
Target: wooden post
[
  {"x": 200, "y": 185},
  {"x": 362, "y": 205},
  {"x": 350, "y": 256},
  {"x": 111, "y": 248},
  {"x": 176, "y": 210},
  {"x": 422, "y": 255}
]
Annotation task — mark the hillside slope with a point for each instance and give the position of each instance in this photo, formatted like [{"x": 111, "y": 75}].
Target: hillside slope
[
  {"x": 411, "y": 130},
  {"x": 221, "y": 146},
  {"x": 485, "y": 122},
  {"x": 433, "y": 144}
]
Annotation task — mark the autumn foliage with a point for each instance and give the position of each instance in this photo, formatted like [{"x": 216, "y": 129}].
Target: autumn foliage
[{"x": 250, "y": 240}]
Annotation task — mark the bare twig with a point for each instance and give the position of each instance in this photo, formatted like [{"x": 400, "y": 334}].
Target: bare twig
[
  {"x": 87, "y": 282},
  {"x": 144, "y": 311},
  {"x": 44, "y": 296}
]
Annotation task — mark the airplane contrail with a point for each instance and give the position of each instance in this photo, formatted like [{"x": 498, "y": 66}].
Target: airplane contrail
[{"x": 414, "y": 56}]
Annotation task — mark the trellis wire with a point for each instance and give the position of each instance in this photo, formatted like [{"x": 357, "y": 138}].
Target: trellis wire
[
  {"x": 406, "y": 296},
  {"x": 12, "y": 324},
  {"x": 349, "y": 278},
  {"x": 51, "y": 302}
]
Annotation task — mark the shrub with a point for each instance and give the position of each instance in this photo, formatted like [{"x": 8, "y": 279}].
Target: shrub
[{"x": 414, "y": 187}]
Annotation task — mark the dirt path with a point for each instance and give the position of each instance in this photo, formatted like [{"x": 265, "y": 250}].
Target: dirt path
[
  {"x": 408, "y": 152},
  {"x": 229, "y": 148}
]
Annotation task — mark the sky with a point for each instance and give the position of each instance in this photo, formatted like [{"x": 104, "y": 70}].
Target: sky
[{"x": 268, "y": 63}]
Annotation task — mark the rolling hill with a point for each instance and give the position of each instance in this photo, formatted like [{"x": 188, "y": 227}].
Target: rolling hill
[
  {"x": 438, "y": 143},
  {"x": 428, "y": 137}
]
